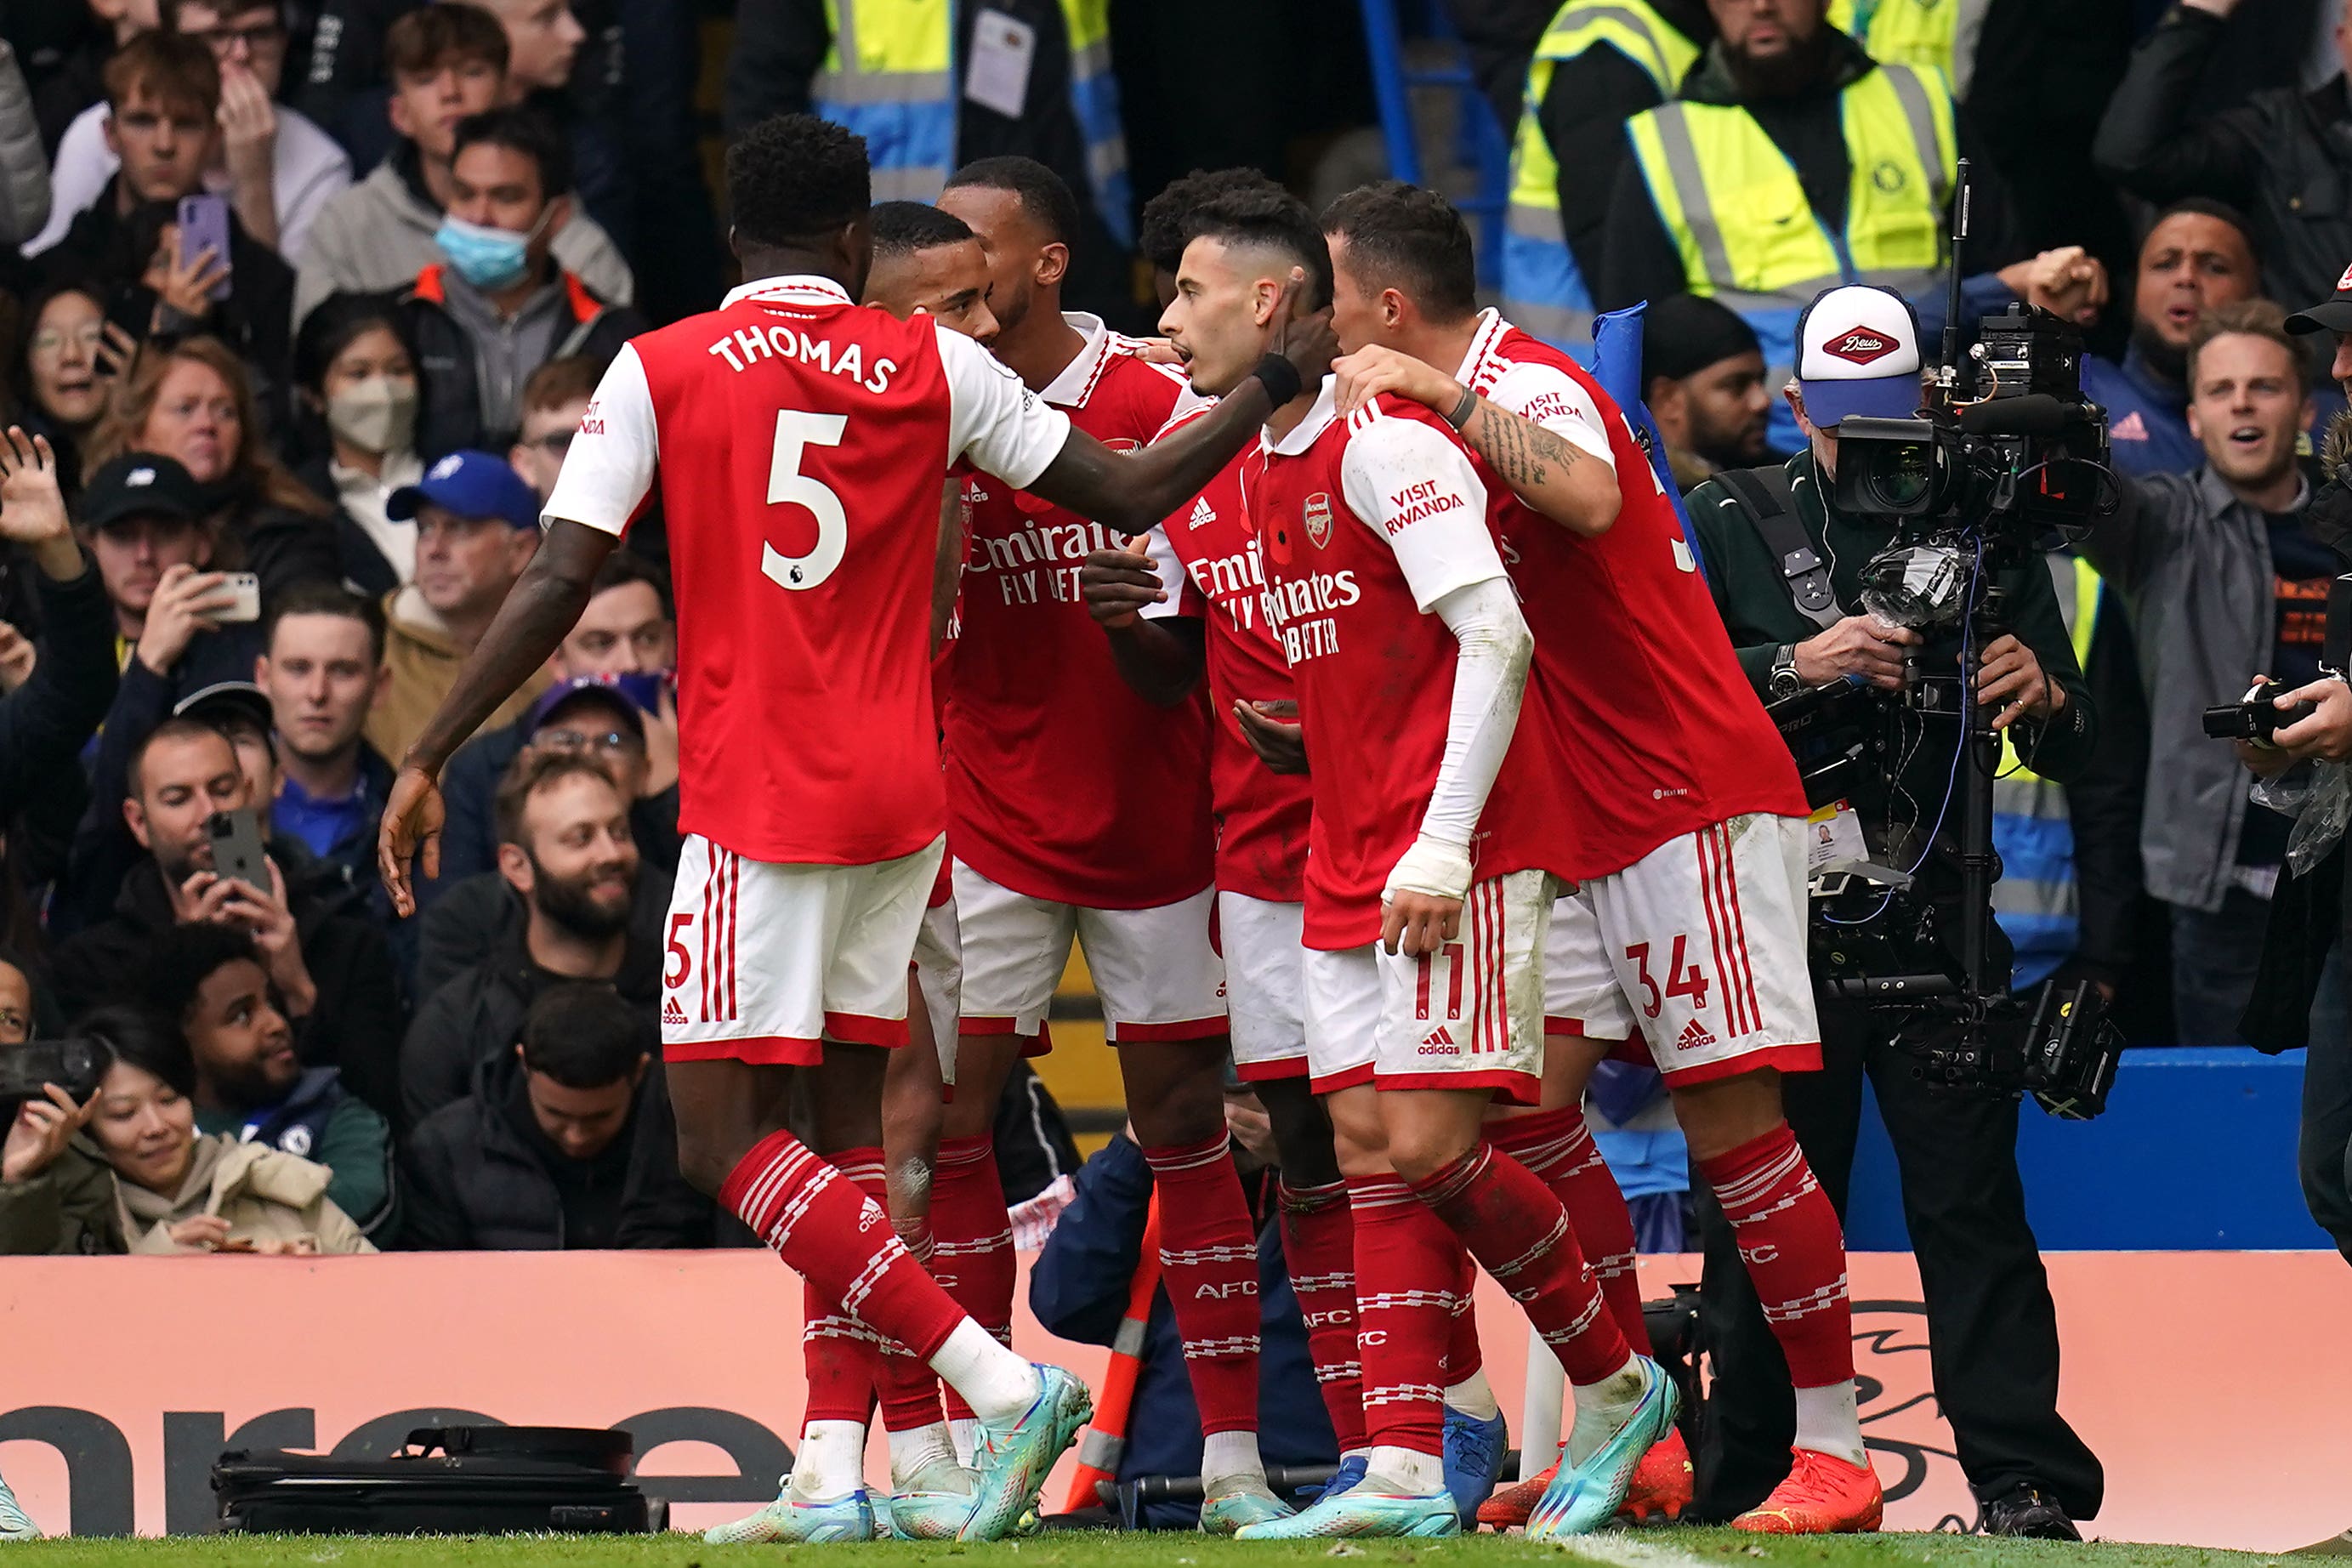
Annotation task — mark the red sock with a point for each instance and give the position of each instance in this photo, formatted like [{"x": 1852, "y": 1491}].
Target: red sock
[
  {"x": 971, "y": 1257},
  {"x": 1209, "y": 1264},
  {"x": 840, "y": 1242},
  {"x": 841, "y": 1356},
  {"x": 1557, "y": 1148},
  {"x": 1463, "y": 1355},
  {"x": 909, "y": 1389},
  {"x": 1319, "y": 1244},
  {"x": 1400, "y": 1247},
  {"x": 1519, "y": 1234},
  {"x": 1795, "y": 1252}
]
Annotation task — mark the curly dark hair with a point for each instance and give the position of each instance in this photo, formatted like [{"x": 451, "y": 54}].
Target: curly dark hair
[
  {"x": 1166, "y": 228},
  {"x": 1041, "y": 192},
  {"x": 1405, "y": 237},
  {"x": 794, "y": 175},
  {"x": 1242, "y": 206}
]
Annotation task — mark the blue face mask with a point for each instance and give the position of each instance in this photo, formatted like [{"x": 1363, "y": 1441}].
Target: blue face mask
[{"x": 484, "y": 256}]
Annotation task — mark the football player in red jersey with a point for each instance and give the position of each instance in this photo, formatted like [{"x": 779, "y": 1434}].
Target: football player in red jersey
[
  {"x": 1078, "y": 807},
  {"x": 1687, "y": 817},
  {"x": 1261, "y": 815},
  {"x": 799, "y": 442}
]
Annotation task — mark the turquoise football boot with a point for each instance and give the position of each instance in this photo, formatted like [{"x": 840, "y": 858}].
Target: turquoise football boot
[
  {"x": 788, "y": 1518},
  {"x": 1584, "y": 1498},
  {"x": 1374, "y": 1506},
  {"x": 1242, "y": 1503},
  {"x": 1010, "y": 1462}
]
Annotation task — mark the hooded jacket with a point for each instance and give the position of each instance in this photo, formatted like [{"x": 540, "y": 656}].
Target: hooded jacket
[
  {"x": 264, "y": 1195},
  {"x": 472, "y": 362},
  {"x": 375, "y": 237},
  {"x": 483, "y": 1177},
  {"x": 424, "y": 660}
]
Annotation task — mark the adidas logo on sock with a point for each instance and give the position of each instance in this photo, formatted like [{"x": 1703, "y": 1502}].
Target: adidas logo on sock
[
  {"x": 1694, "y": 1037},
  {"x": 671, "y": 1012},
  {"x": 1203, "y": 513}
]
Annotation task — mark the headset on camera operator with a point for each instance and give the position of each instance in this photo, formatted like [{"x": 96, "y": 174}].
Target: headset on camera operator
[{"x": 1786, "y": 564}]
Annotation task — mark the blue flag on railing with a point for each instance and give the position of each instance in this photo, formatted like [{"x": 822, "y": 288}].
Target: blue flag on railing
[{"x": 1617, "y": 367}]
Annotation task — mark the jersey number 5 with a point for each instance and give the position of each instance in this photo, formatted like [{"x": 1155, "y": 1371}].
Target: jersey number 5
[{"x": 787, "y": 486}]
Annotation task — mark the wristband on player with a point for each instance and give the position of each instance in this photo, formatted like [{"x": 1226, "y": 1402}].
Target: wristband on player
[
  {"x": 1283, "y": 381},
  {"x": 1463, "y": 409}
]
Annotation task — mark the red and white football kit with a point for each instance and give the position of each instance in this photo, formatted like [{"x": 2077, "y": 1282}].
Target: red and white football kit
[
  {"x": 1365, "y": 524},
  {"x": 1261, "y": 815},
  {"x": 1685, "y": 816},
  {"x": 799, "y": 442},
  {"x": 1075, "y": 808}
]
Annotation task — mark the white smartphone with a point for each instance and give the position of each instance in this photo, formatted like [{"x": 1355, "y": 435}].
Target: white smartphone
[{"x": 246, "y": 605}]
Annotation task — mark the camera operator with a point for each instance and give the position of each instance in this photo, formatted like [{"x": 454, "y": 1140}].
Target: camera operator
[{"x": 1992, "y": 1329}]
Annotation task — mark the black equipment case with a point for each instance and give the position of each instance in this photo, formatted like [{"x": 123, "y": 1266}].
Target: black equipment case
[{"x": 456, "y": 1481}]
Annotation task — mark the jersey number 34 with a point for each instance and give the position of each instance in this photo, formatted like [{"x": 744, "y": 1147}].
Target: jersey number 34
[{"x": 787, "y": 486}]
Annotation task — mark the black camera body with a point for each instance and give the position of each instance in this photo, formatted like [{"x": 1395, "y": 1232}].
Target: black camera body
[
  {"x": 74, "y": 1066},
  {"x": 2256, "y": 717}
]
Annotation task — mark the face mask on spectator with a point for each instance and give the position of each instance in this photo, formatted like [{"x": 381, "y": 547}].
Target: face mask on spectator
[
  {"x": 484, "y": 256},
  {"x": 376, "y": 414}
]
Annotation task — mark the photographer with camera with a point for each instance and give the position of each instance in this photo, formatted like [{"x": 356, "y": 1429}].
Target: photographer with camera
[{"x": 1786, "y": 567}]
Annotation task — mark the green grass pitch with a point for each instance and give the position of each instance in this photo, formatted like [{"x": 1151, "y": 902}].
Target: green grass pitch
[{"x": 1648, "y": 1548}]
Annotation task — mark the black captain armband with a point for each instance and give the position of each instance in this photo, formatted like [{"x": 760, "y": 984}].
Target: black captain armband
[{"x": 1283, "y": 381}]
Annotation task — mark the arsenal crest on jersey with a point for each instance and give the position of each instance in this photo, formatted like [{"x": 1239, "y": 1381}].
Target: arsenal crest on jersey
[{"x": 1317, "y": 516}]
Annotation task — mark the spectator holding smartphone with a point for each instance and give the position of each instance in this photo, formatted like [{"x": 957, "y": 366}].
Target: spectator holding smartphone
[
  {"x": 277, "y": 168},
  {"x": 66, "y": 365},
  {"x": 163, "y": 107},
  {"x": 55, "y": 1194}
]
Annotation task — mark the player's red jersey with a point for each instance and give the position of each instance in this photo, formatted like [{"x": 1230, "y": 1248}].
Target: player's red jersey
[
  {"x": 1262, "y": 816},
  {"x": 1063, "y": 784},
  {"x": 1366, "y": 522},
  {"x": 1656, "y": 729},
  {"x": 800, "y": 442}
]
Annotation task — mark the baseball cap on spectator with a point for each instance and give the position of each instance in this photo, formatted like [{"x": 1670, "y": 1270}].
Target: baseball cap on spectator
[
  {"x": 225, "y": 700},
  {"x": 584, "y": 692},
  {"x": 1858, "y": 356},
  {"x": 2333, "y": 314},
  {"x": 141, "y": 484},
  {"x": 1682, "y": 334},
  {"x": 468, "y": 484}
]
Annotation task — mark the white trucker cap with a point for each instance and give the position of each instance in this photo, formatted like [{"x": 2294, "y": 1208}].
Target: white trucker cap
[{"x": 1858, "y": 354}]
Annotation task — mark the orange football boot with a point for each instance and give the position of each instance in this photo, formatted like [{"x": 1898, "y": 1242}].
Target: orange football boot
[
  {"x": 1661, "y": 1482},
  {"x": 1823, "y": 1495}
]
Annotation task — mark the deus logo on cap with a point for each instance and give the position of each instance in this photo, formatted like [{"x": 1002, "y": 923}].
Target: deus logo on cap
[
  {"x": 2344, "y": 280},
  {"x": 1859, "y": 346},
  {"x": 1319, "y": 518}
]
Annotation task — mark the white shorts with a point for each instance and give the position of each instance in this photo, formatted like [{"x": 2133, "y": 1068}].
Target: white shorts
[
  {"x": 1156, "y": 970},
  {"x": 766, "y": 962},
  {"x": 1264, "y": 969},
  {"x": 1581, "y": 992},
  {"x": 938, "y": 974},
  {"x": 1707, "y": 935},
  {"x": 1469, "y": 1015}
]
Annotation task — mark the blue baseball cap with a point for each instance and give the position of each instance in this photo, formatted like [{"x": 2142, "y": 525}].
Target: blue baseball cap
[{"x": 472, "y": 485}]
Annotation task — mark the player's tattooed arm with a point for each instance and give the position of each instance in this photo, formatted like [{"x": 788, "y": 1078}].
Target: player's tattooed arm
[{"x": 544, "y": 603}]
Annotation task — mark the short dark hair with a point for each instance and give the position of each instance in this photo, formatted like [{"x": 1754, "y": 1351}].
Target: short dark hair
[
  {"x": 324, "y": 598},
  {"x": 901, "y": 229},
  {"x": 582, "y": 1035},
  {"x": 1043, "y": 194},
  {"x": 2263, "y": 318},
  {"x": 793, "y": 177},
  {"x": 139, "y": 1038},
  {"x": 431, "y": 36},
  {"x": 532, "y": 771},
  {"x": 1405, "y": 237},
  {"x": 180, "y": 71},
  {"x": 179, "y": 728},
  {"x": 181, "y": 958},
  {"x": 2206, "y": 206},
  {"x": 1256, "y": 211},
  {"x": 1166, "y": 228},
  {"x": 333, "y": 324},
  {"x": 623, "y": 567},
  {"x": 523, "y": 131},
  {"x": 561, "y": 380}
]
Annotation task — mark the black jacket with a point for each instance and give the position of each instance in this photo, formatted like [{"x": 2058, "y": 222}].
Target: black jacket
[
  {"x": 483, "y": 1177},
  {"x": 452, "y": 414},
  {"x": 355, "y": 1025},
  {"x": 45, "y": 722},
  {"x": 477, "y": 1013},
  {"x": 2284, "y": 157},
  {"x": 364, "y": 566}
]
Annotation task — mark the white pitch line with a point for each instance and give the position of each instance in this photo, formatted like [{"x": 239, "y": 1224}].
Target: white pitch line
[{"x": 1620, "y": 1549}]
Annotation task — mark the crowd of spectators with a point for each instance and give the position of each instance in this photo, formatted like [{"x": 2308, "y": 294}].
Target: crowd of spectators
[{"x": 319, "y": 293}]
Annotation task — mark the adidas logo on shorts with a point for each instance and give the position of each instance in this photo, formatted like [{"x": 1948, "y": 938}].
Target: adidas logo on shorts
[
  {"x": 1694, "y": 1037},
  {"x": 671, "y": 1012},
  {"x": 1439, "y": 1042}
]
